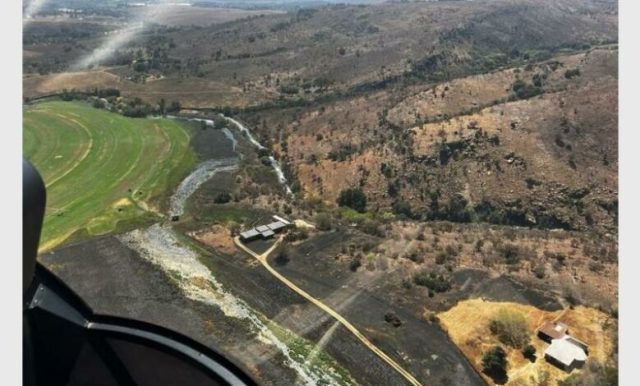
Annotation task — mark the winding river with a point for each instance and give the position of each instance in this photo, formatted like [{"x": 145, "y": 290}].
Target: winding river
[{"x": 245, "y": 131}]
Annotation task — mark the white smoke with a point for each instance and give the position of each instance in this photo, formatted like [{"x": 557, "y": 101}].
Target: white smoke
[
  {"x": 112, "y": 43},
  {"x": 34, "y": 7},
  {"x": 115, "y": 40}
]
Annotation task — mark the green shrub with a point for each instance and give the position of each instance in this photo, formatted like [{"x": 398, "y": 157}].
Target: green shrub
[
  {"x": 510, "y": 327},
  {"x": 431, "y": 280}
]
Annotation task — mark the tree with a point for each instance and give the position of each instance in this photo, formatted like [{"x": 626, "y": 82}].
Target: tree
[
  {"x": 353, "y": 198},
  {"x": 511, "y": 328},
  {"x": 162, "y": 104},
  {"x": 494, "y": 364}
]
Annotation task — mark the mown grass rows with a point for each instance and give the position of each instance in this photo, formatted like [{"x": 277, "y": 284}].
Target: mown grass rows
[{"x": 101, "y": 169}]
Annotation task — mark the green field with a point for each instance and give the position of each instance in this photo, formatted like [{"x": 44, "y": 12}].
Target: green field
[{"x": 103, "y": 172}]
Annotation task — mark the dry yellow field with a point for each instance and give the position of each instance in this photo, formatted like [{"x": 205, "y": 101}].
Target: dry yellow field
[{"x": 468, "y": 326}]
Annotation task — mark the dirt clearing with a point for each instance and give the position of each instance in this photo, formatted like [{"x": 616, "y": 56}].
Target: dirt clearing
[{"x": 474, "y": 338}]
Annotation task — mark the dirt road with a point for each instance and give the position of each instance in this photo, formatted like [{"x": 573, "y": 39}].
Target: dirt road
[{"x": 262, "y": 258}]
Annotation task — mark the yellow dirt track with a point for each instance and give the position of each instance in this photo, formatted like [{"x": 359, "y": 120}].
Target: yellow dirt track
[{"x": 381, "y": 354}]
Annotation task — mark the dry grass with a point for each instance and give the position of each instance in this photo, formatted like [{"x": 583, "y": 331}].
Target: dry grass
[
  {"x": 46, "y": 84},
  {"x": 219, "y": 238},
  {"x": 467, "y": 325}
]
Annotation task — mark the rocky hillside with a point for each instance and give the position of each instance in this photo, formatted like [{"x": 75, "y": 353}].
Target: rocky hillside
[{"x": 534, "y": 145}]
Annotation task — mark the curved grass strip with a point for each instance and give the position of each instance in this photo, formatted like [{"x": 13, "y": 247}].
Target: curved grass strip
[{"x": 104, "y": 172}]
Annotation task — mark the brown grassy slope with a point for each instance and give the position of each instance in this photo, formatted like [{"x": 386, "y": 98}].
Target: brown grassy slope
[
  {"x": 466, "y": 94},
  {"x": 548, "y": 161}
]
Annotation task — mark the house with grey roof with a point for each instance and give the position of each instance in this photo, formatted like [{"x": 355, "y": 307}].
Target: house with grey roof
[{"x": 564, "y": 350}]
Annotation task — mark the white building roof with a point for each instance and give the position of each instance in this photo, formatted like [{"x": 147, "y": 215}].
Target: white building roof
[
  {"x": 249, "y": 234},
  {"x": 268, "y": 233},
  {"x": 262, "y": 228},
  {"x": 565, "y": 351},
  {"x": 276, "y": 225},
  {"x": 278, "y": 218}
]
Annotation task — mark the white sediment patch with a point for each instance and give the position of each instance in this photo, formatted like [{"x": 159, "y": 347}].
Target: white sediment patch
[
  {"x": 231, "y": 137},
  {"x": 159, "y": 245},
  {"x": 192, "y": 182}
]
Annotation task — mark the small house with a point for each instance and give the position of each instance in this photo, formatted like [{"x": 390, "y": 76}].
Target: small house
[{"x": 566, "y": 353}]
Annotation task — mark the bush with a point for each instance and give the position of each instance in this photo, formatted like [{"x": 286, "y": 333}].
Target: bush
[
  {"x": 323, "y": 221},
  {"x": 282, "y": 258},
  {"x": 543, "y": 379},
  {"x": 393, "y": 319},
  {"x": 174, "y": 107},
  {"x": 529, "y": 352},
  {"x": 572, "y": 73},
  {"x": 297, "y": 234},
  {"x": 510, "y": 327},
  {"x": 402, "y": 208},
  {"x": 442, "y": 257},
  {"x": 289, "y": 89},
  {"x": 222, "y": 198},
  {"x": 511, "y": 254},
  {"x": 98, "y": 103},
  {"x": 353, "y": 198},
  {"x": 524, "y": 90},
  {"x": 434, "y": 282},
  {"x": 539, "y": 271},
  {"x": 373, "y": 228}
]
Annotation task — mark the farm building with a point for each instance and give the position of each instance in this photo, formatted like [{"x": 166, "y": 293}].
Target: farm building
[
  {"x": 265, "y": 231},
  {"x": 567, "y": 353},
  {"x": 249, "y": 235},
  {"x": 564, "y": 351}
]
